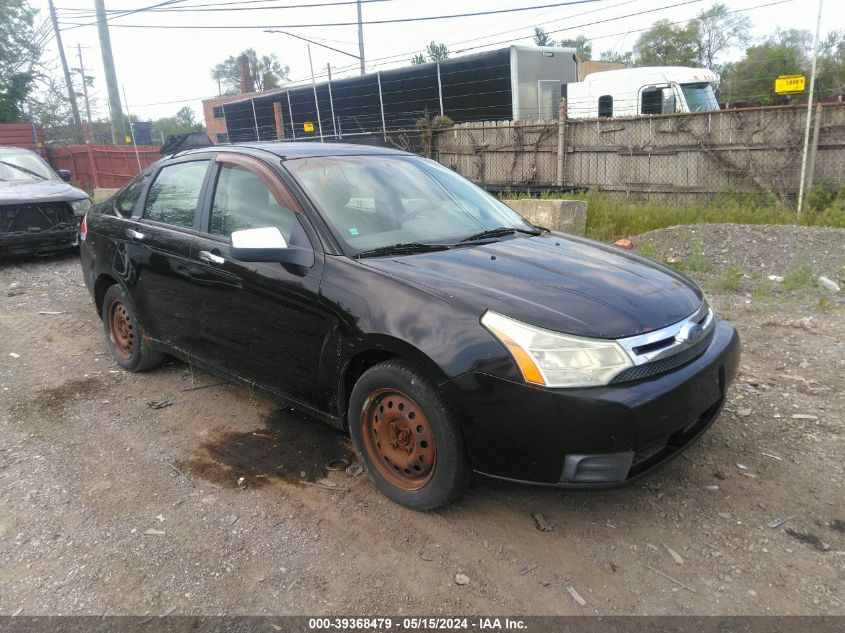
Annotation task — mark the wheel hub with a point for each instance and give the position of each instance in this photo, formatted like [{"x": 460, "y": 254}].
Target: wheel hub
[
  {"x": 121, "y": 330},
  {"x": 399, "y": 439}
]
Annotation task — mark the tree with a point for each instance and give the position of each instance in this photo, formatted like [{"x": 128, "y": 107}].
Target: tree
[
  {"x": 750, "y": 81},
  {"x": 541, "y": 38},
  {"x": 182, "y": 122},
  {"x": 435, "y": 53},
  {"x": 267, "y": 72},
  {"x": 626, "y": 58},
  {"x": 18, "y": 57},
  {"x": 186, "y": 117},
  {"x": 717, "y": 31},
  {"x": 667, "y": 44},
  {"x": 583, "y": 47},
  {"x": 831, "y": 72}
]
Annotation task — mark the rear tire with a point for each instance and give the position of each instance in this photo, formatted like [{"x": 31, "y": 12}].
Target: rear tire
[
  {"x": 407, "y": 437},
  {"x": 123, "y": 332}
]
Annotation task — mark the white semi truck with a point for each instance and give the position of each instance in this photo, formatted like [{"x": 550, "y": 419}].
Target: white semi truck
[{"x": 638, "y": 91}]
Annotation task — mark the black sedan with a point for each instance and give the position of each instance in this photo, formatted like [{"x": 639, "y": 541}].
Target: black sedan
[
  {"x": 39, "y": 211},
  {"x": 386, "y": 295}
]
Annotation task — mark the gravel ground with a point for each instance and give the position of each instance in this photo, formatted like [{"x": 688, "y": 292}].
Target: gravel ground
[{"x": 220, "y": 503}]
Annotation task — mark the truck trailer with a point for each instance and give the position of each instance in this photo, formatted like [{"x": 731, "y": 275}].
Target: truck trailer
[{"x": 520, "y": 83}]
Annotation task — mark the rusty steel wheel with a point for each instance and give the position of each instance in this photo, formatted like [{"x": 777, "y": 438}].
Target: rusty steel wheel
[
  {"x": 399, "y": 439},
  {"x": 407, "y": 436},
  {"x": 121, "y": 330},
  {"x": 124, "y": 332}
]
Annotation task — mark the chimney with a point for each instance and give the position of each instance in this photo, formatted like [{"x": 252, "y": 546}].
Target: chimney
[{"x": 246, "y": 75}]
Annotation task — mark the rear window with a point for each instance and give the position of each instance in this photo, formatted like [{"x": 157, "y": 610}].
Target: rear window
[
  {"x": 175, "y": 193},
  {"x": 125, "y": 202}
]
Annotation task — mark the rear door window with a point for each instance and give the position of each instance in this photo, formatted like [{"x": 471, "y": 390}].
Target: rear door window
[
  {"x": 125, "y": 202},
  {"x": 174, "y": 194}
]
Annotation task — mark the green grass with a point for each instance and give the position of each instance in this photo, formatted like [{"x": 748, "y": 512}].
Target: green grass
[
  {"x": 611, "y": 216},
  {"x": 799, "y": 275},
  {"x": 729, "y": 280}
]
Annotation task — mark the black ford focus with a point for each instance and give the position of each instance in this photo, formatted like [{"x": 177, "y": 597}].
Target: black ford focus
[{"x": 386, "y": 295}]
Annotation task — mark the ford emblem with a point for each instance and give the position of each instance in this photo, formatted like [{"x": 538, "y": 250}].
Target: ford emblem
[{"x": 690, "y": 333}]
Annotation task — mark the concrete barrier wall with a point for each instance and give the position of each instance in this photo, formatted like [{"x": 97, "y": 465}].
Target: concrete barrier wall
[{"x": 569, "y": 216}]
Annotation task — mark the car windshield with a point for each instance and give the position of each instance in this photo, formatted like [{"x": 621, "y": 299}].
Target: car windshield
[
  {"x": 375, "y": 202},
  {"x": 700, "y": 97},
  {"x": 21, "y": 164}
]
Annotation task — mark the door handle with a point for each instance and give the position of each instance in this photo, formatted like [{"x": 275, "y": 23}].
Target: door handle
[
  {"x": 135, "y": 235},
  {"x": 211, "y": 258}
]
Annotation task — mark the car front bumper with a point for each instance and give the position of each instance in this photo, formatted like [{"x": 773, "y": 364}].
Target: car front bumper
[
  {"x": 38, "y": 243},
  {"x": 592, "y": 437}
]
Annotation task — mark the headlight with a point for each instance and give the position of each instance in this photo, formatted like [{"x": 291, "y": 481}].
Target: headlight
[
  {"x": 557, "y": 360},
  {"x": 80, "y": 207}
]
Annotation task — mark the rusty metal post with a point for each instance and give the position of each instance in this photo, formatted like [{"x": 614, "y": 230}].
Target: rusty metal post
[
  {"x": 277, "y": 115},
  {"x": 561, "y": 140}
]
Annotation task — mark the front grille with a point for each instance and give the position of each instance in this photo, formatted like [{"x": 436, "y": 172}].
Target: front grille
[
  {"x": 35, "y": 217},
  {"x": 665, "y": 364}
]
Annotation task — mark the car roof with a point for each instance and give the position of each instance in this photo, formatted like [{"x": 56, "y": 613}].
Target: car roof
[
  {"x": 11, "y": 149},
  {"x": 305, "y": 149}
]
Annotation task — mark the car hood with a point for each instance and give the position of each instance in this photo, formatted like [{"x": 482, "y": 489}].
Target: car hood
[
  {"x": 27, "y": 191},
  {"x": 554, "y": 281}
]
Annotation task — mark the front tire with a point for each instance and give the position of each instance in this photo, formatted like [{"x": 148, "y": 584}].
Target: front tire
[
  {"x": 407, "y": 437},
  {"x": 123, "y": 332}
]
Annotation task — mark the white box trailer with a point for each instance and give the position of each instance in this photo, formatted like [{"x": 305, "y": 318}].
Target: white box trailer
[{"x": 638, "y": 91}]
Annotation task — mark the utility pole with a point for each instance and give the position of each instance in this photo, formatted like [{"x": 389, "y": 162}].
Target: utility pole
[
  {"x": 360, "y": 39},
  {"x": 118, "y": 130},
  {"x": 809, "y": 110},
  {"x": 68, "y": 80},
  {"x": 87, "y": 129}
]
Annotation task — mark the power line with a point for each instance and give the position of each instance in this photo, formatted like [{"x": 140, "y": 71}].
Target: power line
[
  {"x": 128, "y": 12},
  {"x": 293, "y": 84},
  {"x": 214, "y": 7},
  {"x": 369, "y": 22}
]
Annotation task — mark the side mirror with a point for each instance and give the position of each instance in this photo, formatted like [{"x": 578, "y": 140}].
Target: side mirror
[
  {"x": 268, "y": 245},
  {"x": 64, "y": 174}
]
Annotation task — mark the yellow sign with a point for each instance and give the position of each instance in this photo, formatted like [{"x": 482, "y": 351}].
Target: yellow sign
[
  {"x": 128, "y": 139},
  {"x": 789, "y": 83},
  {"x": 308, "y": 126}
]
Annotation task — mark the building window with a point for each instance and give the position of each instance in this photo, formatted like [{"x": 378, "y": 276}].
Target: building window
[
  {"x": 606, "y": 106},
  {"x": 222, "y": 137},
  {"x": 217, "y": 111}
]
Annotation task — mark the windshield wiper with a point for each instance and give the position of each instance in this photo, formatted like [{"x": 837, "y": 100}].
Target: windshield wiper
[
  {"x": 406, "y": 248},
  {"x": 501, "y": 231},
  {"x": 23, "y": 169}
]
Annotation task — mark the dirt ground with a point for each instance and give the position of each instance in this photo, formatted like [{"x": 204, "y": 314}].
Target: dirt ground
[{"x": 221, "y": 503}]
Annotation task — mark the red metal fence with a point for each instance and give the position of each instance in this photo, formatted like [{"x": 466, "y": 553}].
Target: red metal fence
[
  {"x": 21, "y": 135},
  {"x": 108, "y": 166}
]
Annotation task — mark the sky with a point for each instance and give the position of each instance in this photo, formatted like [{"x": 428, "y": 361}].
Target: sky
[{"x": 162, "y": 70}]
